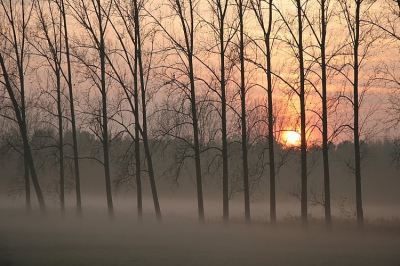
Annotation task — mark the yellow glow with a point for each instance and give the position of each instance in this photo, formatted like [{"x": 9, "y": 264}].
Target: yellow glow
[{"x": 292, "y": 138}]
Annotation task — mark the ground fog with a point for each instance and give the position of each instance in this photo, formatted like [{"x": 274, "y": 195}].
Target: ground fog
[{"x": 95, "y": 240}]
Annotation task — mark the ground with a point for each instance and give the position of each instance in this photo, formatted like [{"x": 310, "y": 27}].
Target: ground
[{"x": 95, "y": 240}]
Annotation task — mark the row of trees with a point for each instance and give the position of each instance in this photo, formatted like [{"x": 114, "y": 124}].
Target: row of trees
[
  {"x": 208, "y": 74},
  {"x": 379, "y": 179}
]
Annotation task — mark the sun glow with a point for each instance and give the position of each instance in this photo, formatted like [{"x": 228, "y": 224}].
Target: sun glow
[{"x": 292, "y": 138}]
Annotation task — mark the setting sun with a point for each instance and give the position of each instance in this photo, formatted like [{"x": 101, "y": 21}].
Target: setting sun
[{"x": 292, "y": 138}]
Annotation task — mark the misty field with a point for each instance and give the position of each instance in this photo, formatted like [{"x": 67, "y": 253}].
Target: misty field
[{"x": 94, "y": 240}]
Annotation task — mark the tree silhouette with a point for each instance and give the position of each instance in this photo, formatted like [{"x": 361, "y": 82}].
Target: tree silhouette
[
  {"x": 14, "y": 32},
  {"x": 93, "y": 16}
]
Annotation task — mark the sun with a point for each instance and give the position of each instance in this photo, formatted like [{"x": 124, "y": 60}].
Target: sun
[{"x": 292, "y": 138}]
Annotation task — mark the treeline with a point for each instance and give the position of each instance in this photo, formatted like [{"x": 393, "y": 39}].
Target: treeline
[
  {"x": 175, "y": 176},
  {"x": 220, "y": 81}
]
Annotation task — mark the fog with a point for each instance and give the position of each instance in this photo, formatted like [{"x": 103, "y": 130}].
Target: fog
[{"x": 94, "y": 239}]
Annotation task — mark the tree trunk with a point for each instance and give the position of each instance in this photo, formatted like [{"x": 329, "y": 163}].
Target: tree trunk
[
  {"x": 60, "y": 141},
  {"x": 271, "y": 123},
  {"x": 137, "y": 122},
  {"x": 20, "y": 110},
  {"x": 304, "y": 212},
  {"x": 72, "y": 108},
  {"x": 225, "y": 169},
  {"x": 24, "y": 135},
  {"x": 243, "y": 117},
  {"x": 325, "y": 145},
  {"x": 199, "y": 184},
  {"x": 105, "y": 140},
  {"x": 28, "y": 204},
  {"x": 144, "y": 117},
  {"x": 189, "y": 42},
  {"x": 357, "y": 153}
]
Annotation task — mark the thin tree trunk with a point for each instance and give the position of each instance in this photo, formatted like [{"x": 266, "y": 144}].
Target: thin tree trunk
[
  {"x": 225, "y": 169},
  {"x": 271, "y": 138},
  {"x": 60, "y": 141},
  {"x": 26, "y": 159},
  {"x": 105, "y": 140},
  {"x": 325, "y": 146},
  {"x": 357, "y": 153},
  {"x": 259, "y": 13},
  {"x": 57, "y": 63},
  {"x": 20, "y": 111},
  {"x": 35, "y": 179},
  {"x": 137, "y": 126},
  {"x": 189, "y": 42},
  {"x": 144, "y": 117},
  {"x": 139, "y": 197},
  {"x": 24, "y": 135},
  {"x": 54, "y": 46},
  {"x": 200, "y": 205},
  {"x": 304, "y": 212},
  {"x": 243, "y": 116},
  {"x": 28, "y": 204},
  {"x": 20, "y": 62},
  {"x": 72, "y": 108},
  {"x": 137, "y": 151}
]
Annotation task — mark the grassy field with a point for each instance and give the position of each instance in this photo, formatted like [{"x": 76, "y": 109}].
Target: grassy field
[{"x": 95, "y": 240}]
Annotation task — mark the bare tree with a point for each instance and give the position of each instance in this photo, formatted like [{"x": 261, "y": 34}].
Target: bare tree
[
  {"x": 68, "y": 79},
  {"x": 241, "y": 6},
  {"x": 13, "y": 33},
  {"x": 219, "y": 25},
  {"x": 266, "y": 24},
  {"x": 50, "y": 48},
  {"x": 360, "y": 43},
  {"x": 183, "y": 45},
  {"x": 131, "y": 16},
  {"x": 302, "y": 95},
  {"x": 141, "y": 72},
  {"x": 319, "y": 32},
  {"x": 325, "y": 144},
  {"x": 93, "y": 16},
  {"x": 296, "y": 45},
  {"x": 127, "y": 14}
]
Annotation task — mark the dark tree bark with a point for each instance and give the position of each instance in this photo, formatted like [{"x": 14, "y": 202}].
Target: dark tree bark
[
  {"x": 138, "y": 48},
  {"x": 325, "y": 144},
  {"x": 105, "y": 140},
  {"x": 184, "y": 10},
  {"x": 267, "y": 29},
  {"x": 302, "y": 94},
  {"x": 68, "y": 79},
  {"x": 60, "y": 143},
  {"x": 137, "y": 134},
  {"x": 51, "y": 28},
  {"x": 24, "y": 135},
  {"x": 93, "y": 15},
  {"x": 356, "y": 130},
  {"x": 60, "y": 139},
  {"x": 219, "y": 9},
  {"x": 138, "y": 73},
  {"x": 18, "y": 43},
  {"x": 243, "y": 92},
  {"x": 319, "y": 31},
  {"x": 353, "y": 24},
  {"x": 361, "y": 39},
  {"x": 225, "y": 169},
  {"x": 27, "y": 180},
  {"x": 271, "y": 138}
]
